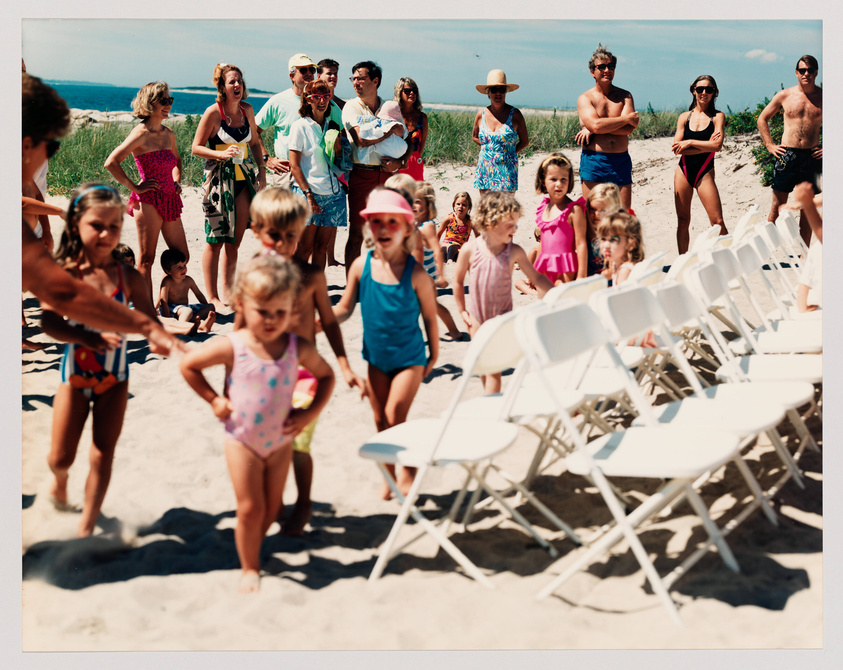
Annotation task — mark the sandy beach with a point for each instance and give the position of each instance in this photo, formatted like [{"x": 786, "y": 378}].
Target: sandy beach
[{"x": 161, "y": 573}]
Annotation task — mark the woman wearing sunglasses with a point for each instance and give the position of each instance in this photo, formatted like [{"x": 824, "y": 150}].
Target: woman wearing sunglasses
[
  {"x": 699, "y": 135},
  {"x": 408, "y": 98},
  {"x": 501, "y": 132},
  {"x": 154, "y": 201},
  {"x": 311, "y": 170}
]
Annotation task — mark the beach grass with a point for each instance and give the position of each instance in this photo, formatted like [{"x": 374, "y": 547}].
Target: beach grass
[{"x": 85, "y": 150}]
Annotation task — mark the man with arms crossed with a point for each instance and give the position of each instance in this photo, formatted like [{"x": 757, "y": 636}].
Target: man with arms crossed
[
  {"x": 607, "y": 114},
  {"x": 799, "y": 156},
  {"x": 366, "y": 77}
]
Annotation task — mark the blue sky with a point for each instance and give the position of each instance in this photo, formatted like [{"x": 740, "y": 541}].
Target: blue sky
[{"x": 657, "y": 59}]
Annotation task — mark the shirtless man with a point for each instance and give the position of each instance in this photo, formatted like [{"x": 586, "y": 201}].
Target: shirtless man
[
  {"x": 799, "y": 156},
  {"x": 607, "y": 114}
]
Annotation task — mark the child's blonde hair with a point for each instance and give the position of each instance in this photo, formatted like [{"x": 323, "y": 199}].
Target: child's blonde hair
[
  {"x": 409, "y": 243},
  {"x": 492, "y": 208},
  {"x": 558, "y": 159},
  {"x": 607, "y": 192},
  {"x": 424, "y": 191},
  {"x": 266, "y": 277},
  {"x": 278, "y": 208},
  {"x": 462, "y": 194},
  {"x": 404, "y": 184},
  {"x": 81, "y": 200},
  {"x": 622, "y": 223},
  {"x": 146, "y": 97}
]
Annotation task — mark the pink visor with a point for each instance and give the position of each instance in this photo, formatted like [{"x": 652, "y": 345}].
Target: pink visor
[{"x": 387, "y": 202}]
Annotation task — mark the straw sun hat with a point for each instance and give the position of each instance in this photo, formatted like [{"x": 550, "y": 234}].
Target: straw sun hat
[{"x": 495, "y": 78}]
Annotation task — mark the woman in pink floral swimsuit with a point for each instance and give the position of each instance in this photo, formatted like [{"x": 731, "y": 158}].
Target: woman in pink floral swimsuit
[{"x": 155, "y": 201}]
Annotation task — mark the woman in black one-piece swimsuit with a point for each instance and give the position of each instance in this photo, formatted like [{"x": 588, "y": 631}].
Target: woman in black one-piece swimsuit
[{"x": 699, "y": 135}]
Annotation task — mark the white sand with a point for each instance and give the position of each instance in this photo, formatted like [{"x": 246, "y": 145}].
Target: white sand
[{"x": 162, "y": 573}]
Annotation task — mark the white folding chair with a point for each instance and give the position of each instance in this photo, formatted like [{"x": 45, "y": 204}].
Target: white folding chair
[
  {"x": 706, "y": 238},
  {"x": 572, "y": 330},
  {"x": 581, "y": 289},
  {"x": 450, "y": 440},
  {"x": 789, "y": 228}
]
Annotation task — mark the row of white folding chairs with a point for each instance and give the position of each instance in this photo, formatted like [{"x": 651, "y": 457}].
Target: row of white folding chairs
[{"x": 447, "y": 447}]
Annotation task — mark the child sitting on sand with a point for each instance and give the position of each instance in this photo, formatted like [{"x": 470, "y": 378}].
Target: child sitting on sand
[
  {"x": 488, "y": 259},
  {"x": 388, "y": 124},
  {"x": 175, "y": 291},
  {"x": 278, "y": 220},
  {"x": 261, "y": 359},
  {"x": 94, "y": 369},
  {"x": 455, "y": 230}
]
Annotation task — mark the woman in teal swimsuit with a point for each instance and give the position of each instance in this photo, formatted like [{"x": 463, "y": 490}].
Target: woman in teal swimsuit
[{"x": 501, "y": 132}]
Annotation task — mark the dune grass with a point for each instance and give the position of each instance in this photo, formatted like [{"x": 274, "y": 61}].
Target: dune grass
[{"x": 84, "y": 151}]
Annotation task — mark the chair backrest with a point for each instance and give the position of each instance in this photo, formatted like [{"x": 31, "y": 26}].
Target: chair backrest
[
  {"x": 581, "y": 289},
  {"x": 494, "y": 347},
  {"x": 679, "y": 304},
  {"x": 628, "y": 311},
  {"x": 724, "y": 258},
  {"x": 706, "y": 238},
  {"x": 789, "y": 227},
  {"x": 747, "y": 222},
  {"x": 648, "y": 278},
  {"x": 748, "y": 257},
  {"x": 682, "y": 263}
]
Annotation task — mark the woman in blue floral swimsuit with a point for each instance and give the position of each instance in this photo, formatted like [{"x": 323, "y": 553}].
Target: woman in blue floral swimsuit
[{"x": 501, "y": 134}]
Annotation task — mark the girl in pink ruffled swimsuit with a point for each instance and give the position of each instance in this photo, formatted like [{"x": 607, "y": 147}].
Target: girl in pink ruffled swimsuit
[
  {"x": 564, "y": 246},
  {"x": 155, "y": 201}
]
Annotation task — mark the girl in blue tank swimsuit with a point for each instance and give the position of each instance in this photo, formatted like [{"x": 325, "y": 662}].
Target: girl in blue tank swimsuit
[
  {"x": 393, "y": 290},
  {"x": 699, "y": 135}
]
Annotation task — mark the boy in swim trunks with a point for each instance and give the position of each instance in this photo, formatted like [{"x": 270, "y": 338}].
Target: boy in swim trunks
[
  {"x": 175, "y": 291},
  {"x": 607, "y": 114},
  {"x": 799, "y": 156}
]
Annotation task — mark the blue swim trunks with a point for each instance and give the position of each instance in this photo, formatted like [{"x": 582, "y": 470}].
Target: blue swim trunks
[
  {"x": 602, "y": 168},
  {"x": 194, "y": 308}
]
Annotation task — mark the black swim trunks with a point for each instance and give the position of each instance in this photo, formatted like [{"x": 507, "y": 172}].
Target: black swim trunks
[{"x": 794, "y": 167}]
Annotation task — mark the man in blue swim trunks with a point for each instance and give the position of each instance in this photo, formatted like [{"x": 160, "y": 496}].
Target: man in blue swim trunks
[
  {"x": 799, "y": 156},
  {"x": 607, "y": 114}
]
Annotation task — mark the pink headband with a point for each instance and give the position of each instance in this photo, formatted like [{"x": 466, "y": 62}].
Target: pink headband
[{"x": 387, "y": 202}]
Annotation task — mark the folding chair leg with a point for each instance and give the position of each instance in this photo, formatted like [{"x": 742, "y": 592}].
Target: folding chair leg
[
  {"x": 712, "y": 529},
  {"x": 787, "y": 459},
  {"x": 760, "y": 498}
]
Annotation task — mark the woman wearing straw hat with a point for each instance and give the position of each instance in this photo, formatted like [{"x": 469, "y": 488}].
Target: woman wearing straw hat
[{"x": 501, "y": 134}]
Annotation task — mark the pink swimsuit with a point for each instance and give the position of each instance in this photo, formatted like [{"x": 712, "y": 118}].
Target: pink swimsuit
[
  {"x": 558, "y": 253},
  {"x": 489, "y": 282},
  {"x": 166, "y": 199},
  {"x": 261, "y": 391}
]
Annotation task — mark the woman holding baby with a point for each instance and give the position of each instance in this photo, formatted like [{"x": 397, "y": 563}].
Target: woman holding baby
[{"x": 311, "y": 137}]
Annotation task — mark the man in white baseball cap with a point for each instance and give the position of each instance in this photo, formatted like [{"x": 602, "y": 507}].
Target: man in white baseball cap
[{"x": 281, "y": 110}]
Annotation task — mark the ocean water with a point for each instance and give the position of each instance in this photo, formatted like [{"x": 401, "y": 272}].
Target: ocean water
[{"x": 119, "y": 98}]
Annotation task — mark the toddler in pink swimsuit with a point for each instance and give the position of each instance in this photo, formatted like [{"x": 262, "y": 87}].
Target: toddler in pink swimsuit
[
  {"x": 261, "y": 361},
  {"x": 489, "y": 259}
]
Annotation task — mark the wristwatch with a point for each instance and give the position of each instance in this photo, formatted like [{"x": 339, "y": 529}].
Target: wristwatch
[{"x": 265, "y": 157}]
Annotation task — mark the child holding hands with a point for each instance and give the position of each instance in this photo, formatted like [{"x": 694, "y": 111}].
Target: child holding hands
[
  {"x": 488, "y": 259},
  {"x": 94, "y": 369},
  {"x": 278, "y": 220},
  {"x": 261, "y": 361},
  {"x": 175, "y": 291},
  {"x": 393, "y": 290}
]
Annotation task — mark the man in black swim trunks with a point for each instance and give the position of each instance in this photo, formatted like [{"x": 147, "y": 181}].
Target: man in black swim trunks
[{"x": 799, "y": 156}]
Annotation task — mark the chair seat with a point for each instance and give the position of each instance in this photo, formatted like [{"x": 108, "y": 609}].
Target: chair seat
[
  {"x": 598, "y": 381},
  {"x": 790, "y": 394},
  {"x": 666, "y": 452},
  {"x": 465, "y": 440},
  {"x": 737, "y": 415},
  {"x": 790, "y": 337},
  {"x": 777, "y": 367},
  {"x": 528, "y": 403}
]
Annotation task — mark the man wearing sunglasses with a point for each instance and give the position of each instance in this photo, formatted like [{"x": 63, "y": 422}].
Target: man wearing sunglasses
[
  {"x": 799, "y": 156},
  {"x": 608, "y": 117},
  {"x": 281, "y": 110},
  {"x": 374, "y": 170}
]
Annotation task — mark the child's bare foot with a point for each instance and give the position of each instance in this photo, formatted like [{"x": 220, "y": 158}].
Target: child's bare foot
[
  {"x": 333, "y": 262},
  {"x": 205, "y": 326},
  {"x": 85, "y": 531},
  {"x": 299, "y": 518},
  {"x": 250, "y": 582},
  {"x": 453, "y": 337},
  {"x": 386, "y": 492}
]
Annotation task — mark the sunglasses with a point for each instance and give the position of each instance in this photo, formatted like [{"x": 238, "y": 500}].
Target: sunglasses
[
  {"x": 305, "y": 70},
  {"x": 409, "y": 91},
  {"x": 320, "y": 97},
  {"x": 806, "y": 70},
  {"x": 496, "y": 89},
  {"x": 704, "y": 89},
  {"x": 166, "y": 102},
  {"x": 605, "y": 66},
  {"x": 52, "y": 147}
]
